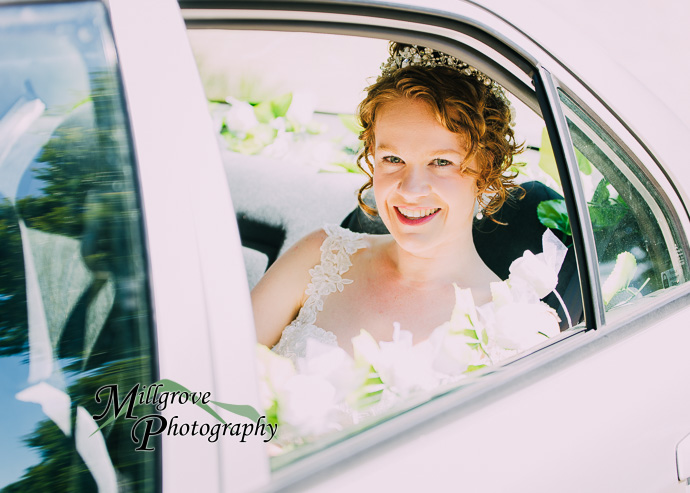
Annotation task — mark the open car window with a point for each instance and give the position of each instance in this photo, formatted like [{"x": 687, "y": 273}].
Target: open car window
[{"x": 288, "y": 136}]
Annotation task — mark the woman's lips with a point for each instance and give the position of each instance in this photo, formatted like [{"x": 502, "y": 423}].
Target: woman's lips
[{"x": 415, "y": 221}]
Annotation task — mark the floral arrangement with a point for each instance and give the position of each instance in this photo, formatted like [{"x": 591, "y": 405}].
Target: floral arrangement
[
  {"x": 328, "y": 389},
  {"x": 288, "y": 128}
]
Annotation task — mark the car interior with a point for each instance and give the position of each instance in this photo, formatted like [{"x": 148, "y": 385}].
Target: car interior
[{"x": 278, "y": 202}]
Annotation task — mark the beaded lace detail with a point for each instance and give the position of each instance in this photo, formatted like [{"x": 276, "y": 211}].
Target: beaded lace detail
[{"x": 326, "y": 278}]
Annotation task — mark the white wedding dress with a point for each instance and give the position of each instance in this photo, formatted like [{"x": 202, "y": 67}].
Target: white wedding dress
[{"x": 326, "y": 278}]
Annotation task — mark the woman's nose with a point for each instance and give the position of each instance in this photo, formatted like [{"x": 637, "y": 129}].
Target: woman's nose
[{"x": 414, "y": 182}]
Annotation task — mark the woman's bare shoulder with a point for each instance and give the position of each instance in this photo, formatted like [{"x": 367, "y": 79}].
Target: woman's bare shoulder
[{"x": 278, "y": 296}]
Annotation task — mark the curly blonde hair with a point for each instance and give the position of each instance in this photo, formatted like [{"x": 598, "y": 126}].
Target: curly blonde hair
[{"x": 462, "y": 104}]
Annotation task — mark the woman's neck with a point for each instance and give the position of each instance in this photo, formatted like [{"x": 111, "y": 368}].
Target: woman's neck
[{"x": 453, "y": 262}]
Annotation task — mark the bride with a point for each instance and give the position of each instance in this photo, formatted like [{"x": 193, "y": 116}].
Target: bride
[{"x": 438, "y": 145}]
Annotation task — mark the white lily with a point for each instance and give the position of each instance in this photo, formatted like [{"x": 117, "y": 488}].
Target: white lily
[
  {"x": 307, "y": 403},
  {"x": 539, "y": 273},
  {"x": 273, "y": 372},
  {"x": 402, "y": 366},
  {"x": 519, "y": 326},
  {"x": 334, "y": 365}
]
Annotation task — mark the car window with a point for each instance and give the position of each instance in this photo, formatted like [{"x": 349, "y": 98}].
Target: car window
[
  {"x": 288, "y": 136},
  {"x": 74, "y": 311},
  {"x": 638, "y": 245}
]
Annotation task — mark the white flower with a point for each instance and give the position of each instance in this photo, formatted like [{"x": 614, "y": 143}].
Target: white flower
[
  {"x": 302, "y": 107},
  {"x": 453, "y": 353},
  {"x": 464, "y": 315},
  {"x": 334, "y": 365},
  {"x": 520, "y": 326},
  {"x": 531, "y": 271},
  {"x": 240, "y": 118},
  {"x": 402, "y": 366},
  {"x": 457, "y": 342},
  {"x": 501, "y": 294},
  {"x": 619, "y": 279},
  {"x": 306, "y": 402},
  {"x": 273, "y": 371},
  {"x": 539, "y": 272}
]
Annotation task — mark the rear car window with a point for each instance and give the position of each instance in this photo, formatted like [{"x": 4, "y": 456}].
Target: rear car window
[{"x": 638, "y": 243}]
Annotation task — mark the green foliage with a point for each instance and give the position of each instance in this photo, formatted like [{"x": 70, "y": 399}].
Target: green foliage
[
  {"x": 604, "y": 211},
  {"x": 553, "y": 214},
  {"x": 253, "y": 141},
  {"x": 351, "y": 123}
]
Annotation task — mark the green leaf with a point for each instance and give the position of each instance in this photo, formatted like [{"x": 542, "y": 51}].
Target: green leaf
[
  {"x": 604, "y": 216},
  {"x": 485, "y": 337},
  {"x": 363, "y": 397},
  {"x": 281, "y": 105},
  {"x": 239, "y": 409},
  {"x": 348, "y": 166},
  {"x": 255, "y": 140},
  {"x": 472, "y": 368},
  {"x": 601, "y": 193},
  {"x": 351, "y": 123},
  {"x": 553, "y": 214},
  {"x": 264, "y": 112}
]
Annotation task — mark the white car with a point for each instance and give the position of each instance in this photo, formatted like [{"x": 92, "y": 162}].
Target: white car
[{"x": 129, "y": 240}]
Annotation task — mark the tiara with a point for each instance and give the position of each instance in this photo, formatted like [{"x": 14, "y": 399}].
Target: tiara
[{"x": 419, "y": 56}]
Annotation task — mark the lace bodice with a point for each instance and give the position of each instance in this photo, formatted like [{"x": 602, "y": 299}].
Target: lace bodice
[{"x": 326, "y": 278}]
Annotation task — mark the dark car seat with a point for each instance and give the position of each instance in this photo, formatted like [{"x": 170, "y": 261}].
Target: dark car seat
[{"x": 500, "y": 244}]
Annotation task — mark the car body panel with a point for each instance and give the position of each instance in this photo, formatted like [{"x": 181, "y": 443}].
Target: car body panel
[
  {"x": 201, "y": 301},
  {"x": 596, "y": 410}
]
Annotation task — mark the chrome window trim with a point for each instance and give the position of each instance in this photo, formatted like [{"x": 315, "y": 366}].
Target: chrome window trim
[
  {"x": 576, "y": 204},
  {"x": 641, "y": 188}
]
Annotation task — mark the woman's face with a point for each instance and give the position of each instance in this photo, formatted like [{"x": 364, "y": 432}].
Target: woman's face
[{"x": 422, "y": 194}]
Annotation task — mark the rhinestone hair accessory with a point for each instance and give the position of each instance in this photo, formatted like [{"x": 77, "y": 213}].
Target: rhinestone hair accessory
[{"x": 419, "y": 56}]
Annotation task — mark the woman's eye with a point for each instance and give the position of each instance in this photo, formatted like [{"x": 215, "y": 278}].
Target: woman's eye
[
  {"x": 393, "y": 159},
  {"x": 442, "y": 162}
]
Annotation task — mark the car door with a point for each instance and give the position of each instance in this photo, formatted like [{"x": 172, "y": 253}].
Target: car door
[
  {"x": 116, "y": 271},
  {"x": 576, "y": 414}
]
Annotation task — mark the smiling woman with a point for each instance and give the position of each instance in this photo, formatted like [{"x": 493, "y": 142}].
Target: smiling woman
[{"x": 438, "y": 147}]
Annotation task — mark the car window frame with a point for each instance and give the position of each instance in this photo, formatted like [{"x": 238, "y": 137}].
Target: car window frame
[
  {"x": 329, "y": 454},
  {"x": 562, "y": 353}
]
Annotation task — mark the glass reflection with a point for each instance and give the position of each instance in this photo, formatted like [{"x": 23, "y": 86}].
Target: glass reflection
[{"x": 74, "y": 312}]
